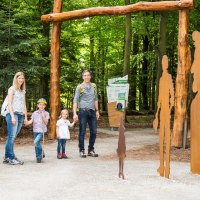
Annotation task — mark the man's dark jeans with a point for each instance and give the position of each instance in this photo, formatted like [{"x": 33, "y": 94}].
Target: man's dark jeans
[{"x": 87, "y": 116}]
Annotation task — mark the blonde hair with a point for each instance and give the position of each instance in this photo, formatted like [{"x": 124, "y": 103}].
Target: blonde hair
[
  {"x": 62, "y": 113},
  {"x": 15, "y": 83}
]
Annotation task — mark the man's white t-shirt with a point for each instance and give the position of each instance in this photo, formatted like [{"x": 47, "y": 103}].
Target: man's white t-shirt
[{"x": 63, "y": 128}]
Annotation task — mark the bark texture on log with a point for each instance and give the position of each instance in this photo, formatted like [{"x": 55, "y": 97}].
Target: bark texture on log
[
  {"x": 184, "y": 65},
  {"x": 55, "y": 71},
  {"x": 119, "y": 10}
]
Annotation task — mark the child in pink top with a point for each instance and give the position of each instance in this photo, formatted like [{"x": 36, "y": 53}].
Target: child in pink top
[{"x": 62, "y": 131}]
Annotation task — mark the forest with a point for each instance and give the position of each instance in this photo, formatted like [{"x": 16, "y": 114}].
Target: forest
[{"x": 109, "y": 46}]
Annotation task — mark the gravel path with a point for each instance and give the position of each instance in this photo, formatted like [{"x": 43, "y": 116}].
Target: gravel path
[{"x": 95, "y": 178}]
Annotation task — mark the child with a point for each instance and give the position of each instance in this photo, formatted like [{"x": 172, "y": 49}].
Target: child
[
  {"x": 40, "y": 120},
  {"x": 62, "y": 130}
]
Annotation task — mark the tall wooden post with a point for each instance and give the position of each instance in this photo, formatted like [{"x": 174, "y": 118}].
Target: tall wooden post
[
  {"x": 181, "y": 79},
  {"x": 55, "y": 71}
]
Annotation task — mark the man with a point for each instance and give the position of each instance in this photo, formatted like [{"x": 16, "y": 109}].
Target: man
[{"x": 87, "y": 100}]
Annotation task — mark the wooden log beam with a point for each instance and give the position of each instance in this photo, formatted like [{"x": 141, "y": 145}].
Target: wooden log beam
[
  {"x": 55, "y": 71},
  {"x": 184, "y": 64},
  {"x": 118, "y": 10}
]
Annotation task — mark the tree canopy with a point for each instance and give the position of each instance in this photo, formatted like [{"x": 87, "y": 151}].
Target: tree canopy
[{"x": 96, "y": 43}]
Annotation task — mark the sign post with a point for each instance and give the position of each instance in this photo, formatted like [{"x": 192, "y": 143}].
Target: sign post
[{"x": 117, "y": 94}]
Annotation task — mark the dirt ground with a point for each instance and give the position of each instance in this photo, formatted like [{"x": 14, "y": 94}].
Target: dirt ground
[
  {"x": 147, "y": 152},
  {"x": 151, "y": 152},
  {"x": 28, "y": 138}
]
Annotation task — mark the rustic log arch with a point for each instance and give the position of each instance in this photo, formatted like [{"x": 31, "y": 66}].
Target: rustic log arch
[{"x": 57, "y": 17}]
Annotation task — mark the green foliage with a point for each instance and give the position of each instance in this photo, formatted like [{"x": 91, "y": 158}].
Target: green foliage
[{"x": 95, "y": 43}]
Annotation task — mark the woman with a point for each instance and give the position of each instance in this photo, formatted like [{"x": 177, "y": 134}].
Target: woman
[{"x": 17, "y": 114}]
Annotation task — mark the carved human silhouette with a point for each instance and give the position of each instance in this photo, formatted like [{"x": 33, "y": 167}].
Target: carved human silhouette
[
  {"x": 195, "y": 107},
  {"x": 121, "y": 150},
  {"x": 164, "y": 105}
]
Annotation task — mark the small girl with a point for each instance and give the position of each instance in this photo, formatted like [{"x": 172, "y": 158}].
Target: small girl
[{"x": 62, "y": 130}]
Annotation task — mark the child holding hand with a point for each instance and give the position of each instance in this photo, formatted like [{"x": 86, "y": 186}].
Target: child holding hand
[
  {"x": 63, "y": 134},
  {"x": 40, "y": 120}
]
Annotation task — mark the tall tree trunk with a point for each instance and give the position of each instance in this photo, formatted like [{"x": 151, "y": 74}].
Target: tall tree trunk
[
  {"x": 103, "y": 102},
  {"x": 153, "y": 88},
  {"x": 127, "y": 50},
  {"x": 144, "y": 74},
  {"x": 172, "y": 59},
  {"x": 128, "y": 33},
  {"x": 133, "y": 75},
  {"x": 44, "y": 86},
  {"x": 92, "y": 57},
  {"x": 140, "y": 96},
  {"x": 45, "y": 6},
  {"x": 162, "y": 49}
]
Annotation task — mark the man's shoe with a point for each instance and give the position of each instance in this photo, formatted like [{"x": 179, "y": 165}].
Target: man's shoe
[
  {"x": 92, "y": 153},
  {"x": 59, "y": 156},
  {"x": 64, "y": 156},
  {"x": 82, "y": 154},
  {"x": 13, "y": 162},
  {"x": 38, "y": 160},
  {"x": 6, "y": 160},
  {"x": 20, "y": 162}
]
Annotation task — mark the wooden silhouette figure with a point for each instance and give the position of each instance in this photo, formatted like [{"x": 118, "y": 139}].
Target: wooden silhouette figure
[
  {"x": 164, "y": 105},
  {"x": 121, "y": 150},
  {"x": 195, "y": 107}
]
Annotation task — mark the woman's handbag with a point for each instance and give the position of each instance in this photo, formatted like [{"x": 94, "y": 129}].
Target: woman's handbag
[{"x": 4, "y": 107}]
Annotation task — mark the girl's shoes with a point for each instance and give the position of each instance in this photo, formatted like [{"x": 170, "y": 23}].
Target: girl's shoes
[
  {"x": 64, "y": 156},
  {"x": 59, "y": 156}
]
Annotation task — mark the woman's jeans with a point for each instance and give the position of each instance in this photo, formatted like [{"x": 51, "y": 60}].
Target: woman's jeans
[
  {"x": 61, "y": 145},
  {"x": 38, "y": 147},
  {"x": 87, "y": 116},
  {"x": 13, "y": 131}
]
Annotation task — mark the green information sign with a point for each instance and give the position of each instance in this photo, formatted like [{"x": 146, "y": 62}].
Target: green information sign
[{"x": 122, "y": 96}]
